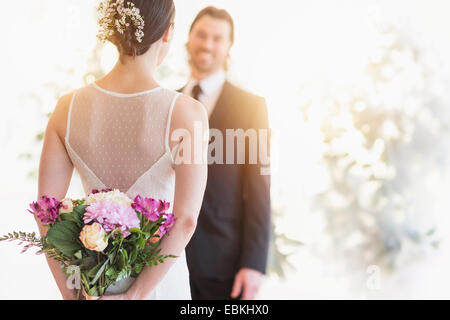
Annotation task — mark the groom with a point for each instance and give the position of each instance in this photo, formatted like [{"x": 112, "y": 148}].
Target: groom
[{"x": 227, "y": 255}]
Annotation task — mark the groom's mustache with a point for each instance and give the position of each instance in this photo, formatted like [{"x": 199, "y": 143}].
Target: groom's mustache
[{"x": 204, "y": 51}]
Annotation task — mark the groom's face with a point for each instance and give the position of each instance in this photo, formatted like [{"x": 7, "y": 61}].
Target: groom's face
[{"x": 209, "y": 44}]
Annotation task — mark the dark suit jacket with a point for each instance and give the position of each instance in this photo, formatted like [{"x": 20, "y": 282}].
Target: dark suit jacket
[{"x": 233, "y": 228}]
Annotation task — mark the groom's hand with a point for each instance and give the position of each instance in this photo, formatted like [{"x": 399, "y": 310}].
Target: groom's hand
[{"x": 247, "y": 281}]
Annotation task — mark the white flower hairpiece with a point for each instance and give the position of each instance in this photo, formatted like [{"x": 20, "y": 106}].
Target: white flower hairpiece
[{"x": 113, "y": 17}]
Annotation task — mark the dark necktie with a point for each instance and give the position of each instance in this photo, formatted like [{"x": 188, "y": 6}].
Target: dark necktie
[{"x": 196, "y": 91}]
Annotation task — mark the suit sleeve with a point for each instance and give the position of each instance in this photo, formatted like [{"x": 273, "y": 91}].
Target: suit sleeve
[{"x": 257, "y": 204}]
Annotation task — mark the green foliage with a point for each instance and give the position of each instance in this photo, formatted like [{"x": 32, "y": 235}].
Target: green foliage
[
  {"x": 93, "y": 291},
  {"x": 64, "y": 237},
  {"x": 29, "y": 238},
  {"x": 40, "y": 136},
  {"x": 279, "y": 252},
  {"x": 99, "y": 272},
  {"x": 78, "y": 214}
]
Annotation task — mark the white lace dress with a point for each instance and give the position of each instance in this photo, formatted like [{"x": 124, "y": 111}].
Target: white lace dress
[{"x": 121, "y": 141}]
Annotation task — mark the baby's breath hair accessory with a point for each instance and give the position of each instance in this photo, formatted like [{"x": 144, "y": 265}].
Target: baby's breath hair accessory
[{"x": 115, "y": 16}]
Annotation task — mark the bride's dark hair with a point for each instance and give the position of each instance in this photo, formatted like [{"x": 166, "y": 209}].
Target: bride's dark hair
[{"x": 157, "y": 15}]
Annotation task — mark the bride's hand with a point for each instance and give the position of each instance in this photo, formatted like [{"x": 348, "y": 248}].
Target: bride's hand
[
  {"x": 70, "y": 295},
  {"x": 114, "y": 297}
]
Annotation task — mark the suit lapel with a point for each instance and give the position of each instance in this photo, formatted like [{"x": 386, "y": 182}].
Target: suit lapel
[{"x": 217, "y": 116}]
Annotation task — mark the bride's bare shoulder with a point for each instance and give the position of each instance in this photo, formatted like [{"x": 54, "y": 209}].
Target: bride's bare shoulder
[
  {"x": 58, "y": 118},
  {"x": 187, "y": 111}
]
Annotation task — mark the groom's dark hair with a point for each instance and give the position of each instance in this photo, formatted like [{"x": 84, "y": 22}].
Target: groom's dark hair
[
  {"x": 157, "y": 15},
  {"x": 215, "y": 13}
]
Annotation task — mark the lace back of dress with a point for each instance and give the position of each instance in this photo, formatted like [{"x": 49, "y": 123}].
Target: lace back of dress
[{"x": 119, "y": 137}]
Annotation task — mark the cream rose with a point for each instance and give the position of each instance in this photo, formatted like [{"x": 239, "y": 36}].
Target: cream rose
[
  {"x": 93, "y": 237},
  {"x": 66, "y": 206}
]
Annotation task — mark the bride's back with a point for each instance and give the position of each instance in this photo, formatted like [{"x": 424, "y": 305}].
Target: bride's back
[{"x": 114, "y": 139}]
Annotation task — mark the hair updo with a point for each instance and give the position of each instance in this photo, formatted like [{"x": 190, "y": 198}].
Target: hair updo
[{"x": 157, "y": 16}]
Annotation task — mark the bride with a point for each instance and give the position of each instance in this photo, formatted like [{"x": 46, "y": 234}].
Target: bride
[{"x": 116, "y": 133}]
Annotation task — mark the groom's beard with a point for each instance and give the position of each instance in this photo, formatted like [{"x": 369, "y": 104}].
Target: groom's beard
[{"x": 205, "y": 67}]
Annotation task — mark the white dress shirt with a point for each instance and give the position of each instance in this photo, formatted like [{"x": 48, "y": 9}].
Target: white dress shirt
[{"x": 211, "y": 88}]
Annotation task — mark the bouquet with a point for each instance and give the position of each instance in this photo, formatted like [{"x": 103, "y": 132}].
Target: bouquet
[{"x": 101, "y": 239}]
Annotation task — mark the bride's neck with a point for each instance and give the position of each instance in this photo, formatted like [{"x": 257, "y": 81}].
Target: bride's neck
[{"x": 139, "y": 71}]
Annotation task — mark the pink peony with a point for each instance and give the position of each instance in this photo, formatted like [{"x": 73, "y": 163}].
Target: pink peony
[
  {"x": 112, "y": 216},
  {"x": 45, "y": 209}
]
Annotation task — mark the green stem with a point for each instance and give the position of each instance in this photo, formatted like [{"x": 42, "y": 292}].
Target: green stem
[
  {"x": 99, "y": 279},
  {"x": 86, "y": 283},
  {"x": 118, "y": 249}
]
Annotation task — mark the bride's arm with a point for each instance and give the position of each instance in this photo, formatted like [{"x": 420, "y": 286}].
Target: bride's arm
[
  {"x": 55, "y": 172},
  {"x": 189, "y": 189}
]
